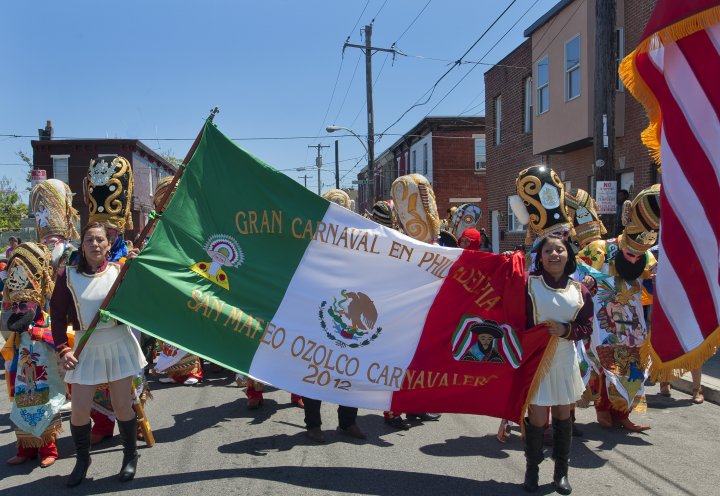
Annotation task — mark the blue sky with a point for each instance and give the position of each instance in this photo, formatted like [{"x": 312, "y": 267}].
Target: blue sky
[{"x": 153, "y": 69}]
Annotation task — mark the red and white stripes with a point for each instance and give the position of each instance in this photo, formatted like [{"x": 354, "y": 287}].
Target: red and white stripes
[{"x": 684, "y": 77}]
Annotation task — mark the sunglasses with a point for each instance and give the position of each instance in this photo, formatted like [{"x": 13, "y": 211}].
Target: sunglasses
[{"x": 22, "y": 306}]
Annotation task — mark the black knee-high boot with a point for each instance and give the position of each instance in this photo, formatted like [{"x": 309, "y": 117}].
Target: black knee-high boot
[
  {"x": 128, "y": 434},
  {"x": 562, "y": 439},
  {"x": 533, "y": 455},
  {"x": 81, "y": 438}
]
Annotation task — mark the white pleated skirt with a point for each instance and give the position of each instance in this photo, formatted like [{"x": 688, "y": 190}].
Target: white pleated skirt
[
  {"x": 110, "y": 354},
  {"x": 562, "y": 384}
]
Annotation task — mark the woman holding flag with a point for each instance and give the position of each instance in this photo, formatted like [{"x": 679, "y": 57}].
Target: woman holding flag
[
  {"x": 111, "y": 355},
  {"x": 566, "y": 308}
]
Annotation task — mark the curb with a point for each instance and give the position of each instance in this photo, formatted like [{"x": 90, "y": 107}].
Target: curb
[{"x": 711, "y": 389}]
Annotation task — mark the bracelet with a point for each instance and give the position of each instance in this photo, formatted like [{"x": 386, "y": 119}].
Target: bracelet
[
  {"x": 64, "y": 351},
  {"x": 569, "y": 331}
]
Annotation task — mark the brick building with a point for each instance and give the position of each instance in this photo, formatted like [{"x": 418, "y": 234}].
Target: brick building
[
  {"x": 539, "y": 106},
  {"x": 448, "y": 151},
  {"x": 69, "y": 160}
]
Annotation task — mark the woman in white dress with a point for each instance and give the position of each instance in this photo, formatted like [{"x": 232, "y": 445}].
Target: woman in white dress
[
  {"x": 566, "y": 308},
  {"x": 111, "y": 355}
]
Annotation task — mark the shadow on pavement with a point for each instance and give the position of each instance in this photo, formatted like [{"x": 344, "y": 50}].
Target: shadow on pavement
[
  {"x": 338, "y": 480},
  {"x": 485, "y": 446}
]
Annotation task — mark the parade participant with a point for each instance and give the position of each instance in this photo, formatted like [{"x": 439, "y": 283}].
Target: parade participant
[
  {"x": 470, "y": 239},
  {"x": 55, "y": 220},
  {"x": 108, "y": 195},
  {"x": 620, "y": 327},
  {"x": 347, "y": 416},
  {"x": 465, "y": 216},
  {"x": 179, "y": 366},
  {"x": 111, "y": 355},
  {"x": 540, "y": 203},
  {"x": 13, "y": 242},
  {"x": 32, "y": 374},
  {"x": 566, "y": 308},
  {"x": 582, "y": 212},
  {"x": 416, "y": 208}
]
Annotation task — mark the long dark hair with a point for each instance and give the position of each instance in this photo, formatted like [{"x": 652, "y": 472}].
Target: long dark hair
[
  {"x": 82, "y": 265},
  {"x": 570, "y": 265}
]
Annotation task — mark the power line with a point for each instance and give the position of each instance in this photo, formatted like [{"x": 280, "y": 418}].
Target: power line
[
  {"x": 378, "y": 12},
  {"x": 413, "y": 22},
  {"x": 357, "y": 64},
  {"x": 485, "y": 55},
  {"x": 455, "y": 64}
]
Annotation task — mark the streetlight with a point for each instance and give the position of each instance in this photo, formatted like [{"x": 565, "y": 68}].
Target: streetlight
[
  {"x": 369, "y": 149},
  {"x": 332, "y": 129}
]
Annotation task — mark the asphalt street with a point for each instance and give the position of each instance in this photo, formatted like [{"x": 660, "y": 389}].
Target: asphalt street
[{"x": 209, "y": 443}]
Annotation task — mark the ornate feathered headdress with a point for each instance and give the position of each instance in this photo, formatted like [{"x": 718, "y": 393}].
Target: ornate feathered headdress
[
  {"x": 416, "y": 208},
  {"x": 108, "y": 193},
  {"x": 51, "y": 202}
]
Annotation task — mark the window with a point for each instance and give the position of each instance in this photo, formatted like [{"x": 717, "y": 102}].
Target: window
[
  {"x": 480, "y": 153},
  {"x": 572, "y": 68},
  {"x": 528, "y": 106},
  {"x": 414, "y": 162},
  {"x": 619, "y": 54},
  {"x": 425, "y": 160},
  {"x": 514, "y": 224},
  {"x": 60, "y": 167},
  {"x": 543, "y": 86},
  {"x": 498, "y": 119}
]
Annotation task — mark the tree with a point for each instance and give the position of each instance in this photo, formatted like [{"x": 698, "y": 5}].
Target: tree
[
  {"x": 29, "y": 162},
  {"x": 12, "y": 209},
  {"x": 168, "y": 155}
]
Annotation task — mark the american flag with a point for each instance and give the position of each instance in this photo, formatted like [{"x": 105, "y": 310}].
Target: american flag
[{"x": 675, "y": 74}]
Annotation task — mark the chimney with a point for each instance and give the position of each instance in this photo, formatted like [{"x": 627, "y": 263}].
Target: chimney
[{"x": 47, "y": 133}]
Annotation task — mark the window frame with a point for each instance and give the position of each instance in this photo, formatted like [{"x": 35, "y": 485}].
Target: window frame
[
  {"x": 483, "y": 166},
  {"x": 65, "y": 179},
  {"x": 528, "y": 105},
  {"x": 497, "y": 108},
  {"x": 569, "y": 71},
  {"x": 540, "y": 88},
  {"x": 425, "y": 159}
]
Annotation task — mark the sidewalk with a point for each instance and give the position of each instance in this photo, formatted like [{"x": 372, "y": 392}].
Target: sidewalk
[{"x": 710, "y": 380}]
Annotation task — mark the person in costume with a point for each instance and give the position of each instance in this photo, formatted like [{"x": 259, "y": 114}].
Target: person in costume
[
  {"x": 417, "y": 215},
  {"x": 55, "y": 220},
  {"x": 565, "y": 306},
  {"x": 619, "y": 266},
  {"x": 347, "y": 416},
  {"x": 111, "y": 355},
  {"x": 179, "y": 366},
  {"x": 540, "y": 203},
  {"x": 35, "y": 385},
  {"x": 109, "y": 188}
]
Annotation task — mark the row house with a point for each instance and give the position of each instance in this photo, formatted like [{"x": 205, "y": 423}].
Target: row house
[
  {"x": 448, "y": 151},
  {"x": 539, "y": 109},
  {"x": 69, "y": 159}
]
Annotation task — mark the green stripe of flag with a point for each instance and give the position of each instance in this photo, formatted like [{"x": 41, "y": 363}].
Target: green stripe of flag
[{"x": 233, "y": 208}]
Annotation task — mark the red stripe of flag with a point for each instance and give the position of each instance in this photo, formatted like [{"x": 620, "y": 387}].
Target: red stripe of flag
[
  {"x": 702, "y": 56},
  {"x": 682, "y": 140},
  {"x": 691, "y": 277},
  {"x": 663, "y": 338}
]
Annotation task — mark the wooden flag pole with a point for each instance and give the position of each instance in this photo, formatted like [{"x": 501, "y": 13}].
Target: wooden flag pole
[{"x": 144, "y": 234}]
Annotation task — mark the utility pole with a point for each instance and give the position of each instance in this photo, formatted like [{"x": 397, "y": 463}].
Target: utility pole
[
  {"x": 318, "y": 162},
  {"x": 305, "y": 178},
  {"x": 604, "y": 100},
  {"x": 337, "y": 164},
  {"x": 369, "y": 49}
]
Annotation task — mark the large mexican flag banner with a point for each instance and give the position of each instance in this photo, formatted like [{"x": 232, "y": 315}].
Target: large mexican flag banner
[{"x": 254, "y": 272}]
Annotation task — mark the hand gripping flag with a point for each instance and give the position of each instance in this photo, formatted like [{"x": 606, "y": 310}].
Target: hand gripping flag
[
  {"x": 250, "y": 270},
  {"x": 675, "y": 74}
]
